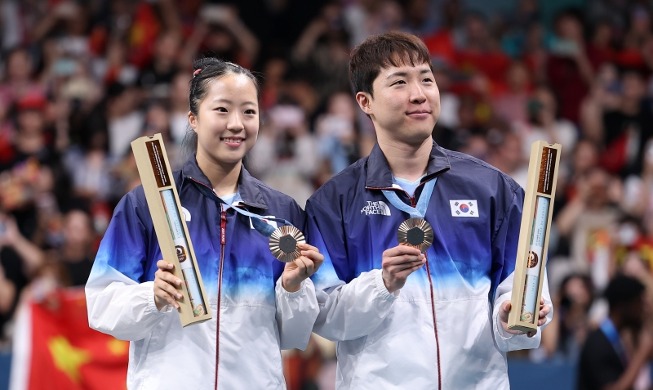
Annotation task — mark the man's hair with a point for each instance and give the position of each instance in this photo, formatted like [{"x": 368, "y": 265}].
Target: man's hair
[
  {"x": 623, "y": 289},
  {"x": 382, "y": 51}
]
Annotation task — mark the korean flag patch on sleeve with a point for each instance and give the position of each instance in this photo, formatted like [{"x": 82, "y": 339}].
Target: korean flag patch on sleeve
[{"x": 466, "y": 208}]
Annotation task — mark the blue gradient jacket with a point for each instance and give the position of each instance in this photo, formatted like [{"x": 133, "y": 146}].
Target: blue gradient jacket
[
  {"x": 440, "y": 331},
  {"x": 239, "y": 348}
]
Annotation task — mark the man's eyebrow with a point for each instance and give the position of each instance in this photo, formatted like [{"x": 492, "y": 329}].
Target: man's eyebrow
[
  {"x": 397, "y": 74},
  {"x": 402, "y": 73}
]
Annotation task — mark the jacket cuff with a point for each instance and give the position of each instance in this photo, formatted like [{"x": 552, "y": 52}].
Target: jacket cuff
[
  {"x": 306, "y": 283},
  {"x": 381, "y": 288},
  {"x": 151, "y": 305},
  {"x": 502, "y": 333}
]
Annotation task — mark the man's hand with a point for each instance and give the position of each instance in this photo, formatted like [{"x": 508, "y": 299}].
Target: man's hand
[
  {"x": 301, "y": 268},
  {"x": 398, "y": 263},
  {"x": 504, "y": 311}
]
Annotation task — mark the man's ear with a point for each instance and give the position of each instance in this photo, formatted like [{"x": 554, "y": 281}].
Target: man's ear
[
  {"x": 364, "y": 101},
  {"x": 192, "y": 120}
]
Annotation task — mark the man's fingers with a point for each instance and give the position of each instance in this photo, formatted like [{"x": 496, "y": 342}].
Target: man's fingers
[
  {"x": 401, "y": 250},
  {"x": 404, "y": 260},
  {"x": 410, "y": 266}
]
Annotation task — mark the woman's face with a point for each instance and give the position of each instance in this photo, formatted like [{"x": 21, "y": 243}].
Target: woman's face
[{"x": 227, "y": 121}]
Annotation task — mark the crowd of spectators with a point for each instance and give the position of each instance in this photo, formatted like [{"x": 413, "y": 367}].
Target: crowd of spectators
[{"x": 79, "y": 80}]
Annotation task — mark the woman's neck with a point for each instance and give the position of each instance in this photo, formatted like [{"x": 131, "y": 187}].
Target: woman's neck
[
  {"x": 224, "y": 179},
  {"x": 407, "y": 161}
]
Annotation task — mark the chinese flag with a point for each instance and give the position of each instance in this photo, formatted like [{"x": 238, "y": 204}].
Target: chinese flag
[{"x": 54, "y": 348}]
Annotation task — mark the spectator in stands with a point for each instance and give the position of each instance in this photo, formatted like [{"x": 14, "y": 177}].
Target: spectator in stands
[
  {"x": 179, "y": 107},
  {"x": 506, "y": 153},
  {"x": 605, "y": 360},
  {"x": 568, "y": 67},
  {"x": 625, "y": 128},
  {"x": 75, "y": 254},
  {"x": 544, "y": 123},
  {"x": 18, "y": 79},
  {"x": 285, "y": 155},
  {"x": 566, "y": 334},
  {"x": 512, "y": 104},
  {"x": 155, "y": 78},
  {"x": 322, "y": 51},
  {"x": 220, "y": 32},
  {"x": 589, "y": 220},
  {"x": 337, "y": 136},
  {"x": 124, "y": 118}
]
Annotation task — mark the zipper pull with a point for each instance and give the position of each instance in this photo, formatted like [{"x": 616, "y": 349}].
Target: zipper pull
[{"x": 223, "y": 227}]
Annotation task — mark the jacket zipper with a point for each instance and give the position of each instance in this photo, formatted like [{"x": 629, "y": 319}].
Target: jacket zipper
[
  {"x": 413, "y": 203},
  {"x": 223, "y": 241}
]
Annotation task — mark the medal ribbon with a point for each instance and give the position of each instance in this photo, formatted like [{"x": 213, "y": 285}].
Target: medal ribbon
[
  {"x": 419, "y": 211},
  {"x": 608, "y": 328},
  {"x": 257, "y": 221}
]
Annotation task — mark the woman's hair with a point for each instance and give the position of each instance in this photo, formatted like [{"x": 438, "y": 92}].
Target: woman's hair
[
  {"x": 382, "y": 51},
  {"x": 205, "y": 71}
]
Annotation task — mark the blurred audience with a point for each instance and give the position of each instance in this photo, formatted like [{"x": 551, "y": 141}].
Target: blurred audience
[{"x": 80, "y": 80}]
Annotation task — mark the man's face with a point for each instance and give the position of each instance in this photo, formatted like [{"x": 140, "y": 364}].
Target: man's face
[
  {"x": 634, "y": 313},
  {"x": 405, "y": 104}
]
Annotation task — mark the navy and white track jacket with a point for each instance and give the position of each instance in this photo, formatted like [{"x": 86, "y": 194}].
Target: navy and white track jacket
[
  {"x": 440, "y": 331},
  {"x": 239, "y": 348}
]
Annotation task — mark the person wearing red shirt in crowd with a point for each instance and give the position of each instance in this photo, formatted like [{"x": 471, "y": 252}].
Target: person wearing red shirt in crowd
[{"x": 568, "y": 67}]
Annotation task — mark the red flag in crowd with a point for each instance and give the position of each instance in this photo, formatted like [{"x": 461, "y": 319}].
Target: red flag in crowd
[{"x": 54, "y": 348}]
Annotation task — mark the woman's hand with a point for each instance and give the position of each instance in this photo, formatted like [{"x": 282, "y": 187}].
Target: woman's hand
[
  {"x": 301, "y": 268},
  {"x": 166, "y": 286}
]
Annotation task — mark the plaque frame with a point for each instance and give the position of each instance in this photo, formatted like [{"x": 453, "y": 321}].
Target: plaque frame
[
  {"x": 158, "y": 183},
  {"x": 534, "y": 235}
]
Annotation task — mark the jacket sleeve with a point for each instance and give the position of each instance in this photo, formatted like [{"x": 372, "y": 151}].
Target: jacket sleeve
[
  {"x": 118, "y": 303},
  {"x": 511, "y": 342},
  {"x": 504, "y": 253},
  {"x": 350, "y": 308},
  {"x": 296, "y": 314}
]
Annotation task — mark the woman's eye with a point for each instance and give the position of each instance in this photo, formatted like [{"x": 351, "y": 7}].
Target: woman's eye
[{"x": 221, "y": 109}]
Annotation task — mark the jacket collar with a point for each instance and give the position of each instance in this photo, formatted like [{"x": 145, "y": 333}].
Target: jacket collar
[
  {"x": 248, "y": 186},
  {"x": 379, "y": 174}
]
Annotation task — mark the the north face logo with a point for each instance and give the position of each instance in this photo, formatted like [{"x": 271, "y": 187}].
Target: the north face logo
[{"x": 378, "y": 207}]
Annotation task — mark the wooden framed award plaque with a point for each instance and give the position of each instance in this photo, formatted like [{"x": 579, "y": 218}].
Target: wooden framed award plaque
[
  {"x": 534, "y": 236},
  {"x": 170, "y": 225}
]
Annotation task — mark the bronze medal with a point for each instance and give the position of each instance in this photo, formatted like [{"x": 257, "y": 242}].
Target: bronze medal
[
  {"x": 416, "y": 232},
  {"x": 284, "y": 241}
]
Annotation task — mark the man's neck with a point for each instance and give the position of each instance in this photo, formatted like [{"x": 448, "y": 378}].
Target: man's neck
[
  {"x": 407, "y": 161},
  {"x": 615, "y": 318}
]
